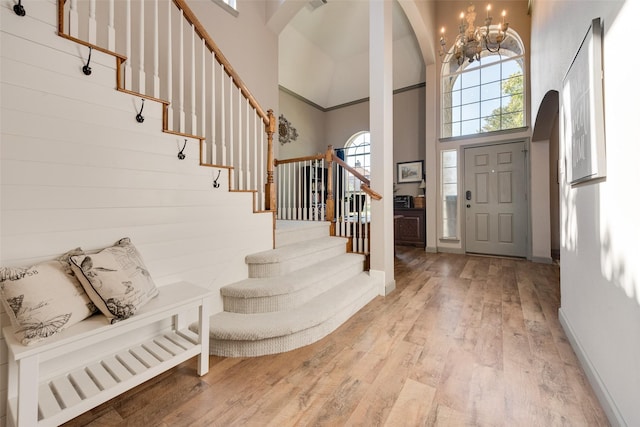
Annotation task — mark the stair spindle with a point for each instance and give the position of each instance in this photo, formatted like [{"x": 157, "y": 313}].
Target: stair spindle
[
  {"x": 73, "y": 18},
  {"x": 111, "y": 27},
  {"x": 92, "y": 22},
  {"x": 156, "y": 51},
  {"x": 169, "y": 108},
  {"x": 181, "y": 113},
  {"x": 128, "y": 71},
  {"x": 194, "y": 124},
  {"x": 141, "y": 36}
]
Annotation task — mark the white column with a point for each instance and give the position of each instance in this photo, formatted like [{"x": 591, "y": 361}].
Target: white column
[
  {"x": 432, "y": 156},
  {"x": 381, "y": 125}
]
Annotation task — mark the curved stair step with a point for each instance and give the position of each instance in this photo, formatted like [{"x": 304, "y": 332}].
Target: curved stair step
[
  {"x": 249, "y": 335},
  {"x": 283, "y": 260},
  {"x": 262, "y": 295}
]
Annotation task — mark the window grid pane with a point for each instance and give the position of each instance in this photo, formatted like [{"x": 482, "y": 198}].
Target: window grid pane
[{"x": 480, "y": 95}]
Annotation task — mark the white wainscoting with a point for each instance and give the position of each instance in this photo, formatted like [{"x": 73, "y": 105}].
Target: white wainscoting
[{"x": 78, "y": 170}]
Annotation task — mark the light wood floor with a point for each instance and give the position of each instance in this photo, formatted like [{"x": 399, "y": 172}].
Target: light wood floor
[{"x": 462, "y": 341}]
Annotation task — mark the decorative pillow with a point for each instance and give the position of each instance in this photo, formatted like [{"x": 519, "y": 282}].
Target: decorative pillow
[
  {"x": 115, "y": 279},
  {"x": 43, "y": 299}
]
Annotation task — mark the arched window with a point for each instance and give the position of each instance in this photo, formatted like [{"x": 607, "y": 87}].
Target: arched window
[
  {"x": 486, "y": 95},
  {"x": 357, "y": 153}
]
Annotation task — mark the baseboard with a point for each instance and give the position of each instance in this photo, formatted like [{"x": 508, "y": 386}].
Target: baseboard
[
  {"x": 389, "y": 287},
  {"x": 431, "y": 249},
  {"x": 542, "y": 260},
  {"x": 451, "y": 250},
  {"x": 599, "y": 388}
]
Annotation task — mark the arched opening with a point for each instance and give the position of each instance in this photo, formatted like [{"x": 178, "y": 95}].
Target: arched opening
[{"x": 546, "y": 130}]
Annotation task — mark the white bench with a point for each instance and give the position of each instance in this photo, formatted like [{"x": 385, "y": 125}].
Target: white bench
[{"x": 94, "y": 361}]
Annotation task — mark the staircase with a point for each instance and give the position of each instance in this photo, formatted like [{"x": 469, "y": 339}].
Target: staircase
[{"x": 295, "y": 295}]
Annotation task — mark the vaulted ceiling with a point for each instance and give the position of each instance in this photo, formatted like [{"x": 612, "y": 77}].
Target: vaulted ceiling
[{"x": 324, "y": 52}]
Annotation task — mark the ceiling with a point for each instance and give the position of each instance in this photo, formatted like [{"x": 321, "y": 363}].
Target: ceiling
[{"x": 324, "y": 52}]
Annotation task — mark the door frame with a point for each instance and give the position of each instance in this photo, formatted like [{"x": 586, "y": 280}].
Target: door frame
[{"x": 527, "y": 186}]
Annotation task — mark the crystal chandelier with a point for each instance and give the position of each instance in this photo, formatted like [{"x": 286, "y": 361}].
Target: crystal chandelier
[{"x": 471, "y": 39}]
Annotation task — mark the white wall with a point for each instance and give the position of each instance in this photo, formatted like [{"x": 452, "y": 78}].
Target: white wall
[
  {"x": 78, "y": 170},
  {"x": 600, "y": 272}
]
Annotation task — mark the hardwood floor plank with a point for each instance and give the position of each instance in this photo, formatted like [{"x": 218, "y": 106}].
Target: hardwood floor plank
[
  {"x": 462, "y": 341},
  {"x": 412, "y": 406}
]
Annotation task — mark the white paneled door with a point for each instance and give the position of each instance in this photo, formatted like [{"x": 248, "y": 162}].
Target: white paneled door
[{"x": 495, "y": 199}]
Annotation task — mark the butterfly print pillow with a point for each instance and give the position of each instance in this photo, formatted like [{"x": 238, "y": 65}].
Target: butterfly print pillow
[{"x": 43, "y": 299}]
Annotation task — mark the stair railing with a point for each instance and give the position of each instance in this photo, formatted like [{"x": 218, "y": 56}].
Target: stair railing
[
  {"x": 324, "y": 187},
  {"x": 180, "y": 66}
]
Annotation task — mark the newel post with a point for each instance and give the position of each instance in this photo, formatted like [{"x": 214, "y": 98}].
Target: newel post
[
  {"x": 330, "y": 205},
  {"x": 269, "y": 187}
]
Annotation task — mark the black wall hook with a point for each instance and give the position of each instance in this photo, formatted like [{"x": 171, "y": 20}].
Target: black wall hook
[
  {"x": 87, "y": 69},
  {"x": 181, "y": 154},
  {"x": 19, "y": 9},
  {"x": 216, "y": 184},
  {"x": 139, "y": 117}
]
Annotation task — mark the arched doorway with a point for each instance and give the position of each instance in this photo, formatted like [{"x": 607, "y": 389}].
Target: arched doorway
[{"x": 546, "y": 131}]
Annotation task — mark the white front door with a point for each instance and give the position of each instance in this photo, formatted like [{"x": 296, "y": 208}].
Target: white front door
[{"x": 495, "y": 199}]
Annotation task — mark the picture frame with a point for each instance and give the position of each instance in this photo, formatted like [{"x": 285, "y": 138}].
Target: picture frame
[
  {"x": 582, "y": 125},
  {"x": 410, "y": 171}
]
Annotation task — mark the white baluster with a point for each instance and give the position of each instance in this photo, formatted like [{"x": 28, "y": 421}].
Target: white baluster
[
  {"x": 111, "y": 28},
  {"x": 128, "y": 72},
  {"x": 247, "y": 140},
  {"x": 223, "y": 109},
  {"x": 203, "y": 85},
  {"x": 241, "y": 175},
  {"x": 214, "y": 146},
  {"x": 73, "y": 18},
  {"x": 92, "y": 22},
  {"x": 141, "y": 74},
  {"x": 156, "y": 51},
  {"x": 169, "y": 66},
  {"x": 181, "y": 74},
  {"x": 194, "y": 124},
  {"x": 231, "y": 140},
  {"x": 261, "y": 164}
]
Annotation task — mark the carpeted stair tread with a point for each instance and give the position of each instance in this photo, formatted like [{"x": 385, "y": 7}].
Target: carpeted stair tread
[
  {"x": 292, "y": 282},
  {"x": 295, "y": 250},
  {"x": 253, "y": 327}
]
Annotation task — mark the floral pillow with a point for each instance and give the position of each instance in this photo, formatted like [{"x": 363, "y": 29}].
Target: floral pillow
[
  {"x": 116, "y": 279},
  {"x": 43, "y": 299}
]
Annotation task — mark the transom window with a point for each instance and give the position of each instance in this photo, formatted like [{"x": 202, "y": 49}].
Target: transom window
[{"x": 486, "y": 95}]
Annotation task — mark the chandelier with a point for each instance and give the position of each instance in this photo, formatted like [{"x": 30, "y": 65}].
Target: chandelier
[{"x": 471, "y": 40}]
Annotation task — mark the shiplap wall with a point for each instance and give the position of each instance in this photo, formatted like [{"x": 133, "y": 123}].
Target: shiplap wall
[{"x": 78, "y": 170}]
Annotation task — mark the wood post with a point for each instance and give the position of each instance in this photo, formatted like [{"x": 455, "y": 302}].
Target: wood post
[
  {"x": 330, "y": 203},
  {"x": 269, "y": 187}
]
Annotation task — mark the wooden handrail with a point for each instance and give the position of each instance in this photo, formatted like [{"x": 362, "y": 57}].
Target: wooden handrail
[
  {"x": 199, "y": 28},
  {"x": 365, "y": 188},
  {"x": 299, "y": 159},
  {"x": 353, "y": 172}
]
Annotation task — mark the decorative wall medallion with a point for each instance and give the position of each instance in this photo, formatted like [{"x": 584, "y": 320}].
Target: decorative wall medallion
[{"x": 286, "y": 132}]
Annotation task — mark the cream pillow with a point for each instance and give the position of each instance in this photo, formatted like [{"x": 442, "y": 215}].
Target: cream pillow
[
  {"x": 116, "y": 279},
  {"x": 43, "y": 299}
]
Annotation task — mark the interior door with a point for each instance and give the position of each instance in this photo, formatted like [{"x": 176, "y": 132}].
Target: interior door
[{"x": 495, "y": 199}]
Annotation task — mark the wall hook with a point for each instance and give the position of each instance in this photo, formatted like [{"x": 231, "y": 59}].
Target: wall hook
[
  {"x": 19, "y": 9},
  {"x": 87, "y": 69},
  {"x": 216, "y": 184},
  {"x": 181, "y": 154},
  {"x": 139, "y": 117}
]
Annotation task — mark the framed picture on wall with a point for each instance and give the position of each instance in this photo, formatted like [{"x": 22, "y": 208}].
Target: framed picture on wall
[
  {"x": 582, "y": 111},
  {"x": 410, "y": 171}
]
